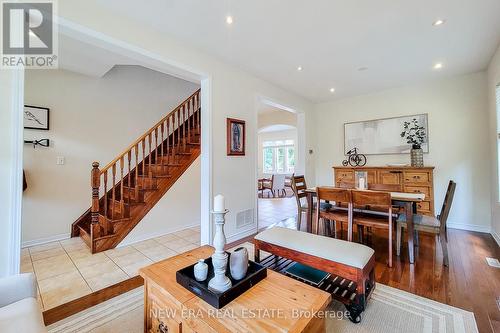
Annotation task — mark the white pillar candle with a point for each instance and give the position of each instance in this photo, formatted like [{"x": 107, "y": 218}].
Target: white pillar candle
[
  {"x": 219, "y": 203},
  {"x": 361, "y": 183}
]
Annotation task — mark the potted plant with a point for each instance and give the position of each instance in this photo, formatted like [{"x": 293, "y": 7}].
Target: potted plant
[{"x": 415, "y": 136}]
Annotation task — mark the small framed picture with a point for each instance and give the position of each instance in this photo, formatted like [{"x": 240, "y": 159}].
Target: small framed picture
[
  {"x": 36, "y": 117},
  {"x": 235, "y": 137}
]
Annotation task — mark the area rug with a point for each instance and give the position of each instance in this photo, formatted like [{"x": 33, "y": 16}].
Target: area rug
[{"x": 389, "y": 310}]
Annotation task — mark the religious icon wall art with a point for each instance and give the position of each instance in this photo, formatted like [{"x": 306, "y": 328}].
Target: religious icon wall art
[{"x": 235, "y": 137}]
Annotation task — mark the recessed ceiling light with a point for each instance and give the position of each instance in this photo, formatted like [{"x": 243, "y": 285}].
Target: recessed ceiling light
[
  {"x": 229, "y": 19},
  {"x": 299, "y": 68},
  {"x": 438, "y": 22},
  {"x": 438, "y": 65},
  {"x": 332, "y": 90}
]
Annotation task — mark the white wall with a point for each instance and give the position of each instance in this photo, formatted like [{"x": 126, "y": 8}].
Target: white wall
[
  {"x": 493, "y": 81},
  {"x": 459, "y": 146},
  {"x": 177, "y": 209},
  {"x": 273, "y": 136},
  {"x": 91, "y": 119},
  {"x": 235, "y": 93},
  {"x": 10, "y": 197},
  {"x": 277, "y": 118}
]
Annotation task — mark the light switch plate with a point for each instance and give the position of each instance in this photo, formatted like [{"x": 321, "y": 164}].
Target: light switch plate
[{"x": 60, "y": 160}]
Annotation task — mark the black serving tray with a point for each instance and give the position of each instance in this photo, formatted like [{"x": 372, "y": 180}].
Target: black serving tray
[{"x": 185, "y": 277}]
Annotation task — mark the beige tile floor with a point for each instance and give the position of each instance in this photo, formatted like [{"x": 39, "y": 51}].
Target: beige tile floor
[
  {"x": 276, "y": 210},
  {"x": 66, "y": 270}
]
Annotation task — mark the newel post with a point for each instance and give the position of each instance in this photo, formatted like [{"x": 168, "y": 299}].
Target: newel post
[{"x": 95, "y": 180}]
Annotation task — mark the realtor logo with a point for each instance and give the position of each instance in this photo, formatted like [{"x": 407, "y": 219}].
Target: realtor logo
[{"x": 29, "y": 37}]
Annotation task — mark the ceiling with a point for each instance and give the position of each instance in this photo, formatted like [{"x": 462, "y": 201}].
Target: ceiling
[
  {"x": 332, "y": 39},
  {"x": 83, "y": 58}
]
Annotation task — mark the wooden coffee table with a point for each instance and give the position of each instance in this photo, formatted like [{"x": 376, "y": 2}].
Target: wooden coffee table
[{"x": 276, "y": 304}]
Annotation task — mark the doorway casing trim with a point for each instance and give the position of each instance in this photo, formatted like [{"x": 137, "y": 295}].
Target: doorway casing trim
[{"x": 144, "y": 58}]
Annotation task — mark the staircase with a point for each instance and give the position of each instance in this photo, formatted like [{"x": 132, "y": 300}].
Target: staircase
[{"x": 126, "y": 189}]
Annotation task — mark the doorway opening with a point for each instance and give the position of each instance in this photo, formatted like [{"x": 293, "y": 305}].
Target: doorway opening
[{"x": 277, "y": 162}]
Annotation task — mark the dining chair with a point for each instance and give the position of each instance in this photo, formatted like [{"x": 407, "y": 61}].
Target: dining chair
[
  {"x": 382, "y": 220},
  {"x": 333, "y": 213},
  {"x": 430, "y": 224},
  {"x": 299, "y": 188},
  {"x": 385, "y": 188},
  {"x": 299, "y": 191},
  {"x": 276, "y": 185}
]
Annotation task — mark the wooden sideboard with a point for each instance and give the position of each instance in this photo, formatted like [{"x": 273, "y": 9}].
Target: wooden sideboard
[
  {"x": 276, "y": 304},
  {"x": 410, "y": 179}
]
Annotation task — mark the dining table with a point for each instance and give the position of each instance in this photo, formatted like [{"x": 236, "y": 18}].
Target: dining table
[{"x": 407, "y": 201}]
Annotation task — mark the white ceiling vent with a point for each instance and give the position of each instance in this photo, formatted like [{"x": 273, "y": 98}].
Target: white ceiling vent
[{"x": 244, "y": 218}]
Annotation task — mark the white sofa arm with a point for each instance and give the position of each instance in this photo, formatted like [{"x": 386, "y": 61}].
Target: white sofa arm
[{"x": 17, "y": 287}]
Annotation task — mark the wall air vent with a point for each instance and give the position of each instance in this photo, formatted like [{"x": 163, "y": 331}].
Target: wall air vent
[{"x": 244, "y": 218}]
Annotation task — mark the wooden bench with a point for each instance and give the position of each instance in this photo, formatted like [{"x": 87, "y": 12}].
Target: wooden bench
[{"x": 351, "y": 265}]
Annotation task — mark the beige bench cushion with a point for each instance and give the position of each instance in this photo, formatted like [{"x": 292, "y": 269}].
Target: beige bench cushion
[
  {"x": 22, "y": 316},
  {"x": 336, "y": 250}
]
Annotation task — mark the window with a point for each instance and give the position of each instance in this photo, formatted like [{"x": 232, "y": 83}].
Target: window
[{"x": 278, "y": 156}]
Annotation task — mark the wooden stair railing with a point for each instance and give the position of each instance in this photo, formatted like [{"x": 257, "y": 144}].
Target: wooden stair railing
[{"x": 166, "y": 150}]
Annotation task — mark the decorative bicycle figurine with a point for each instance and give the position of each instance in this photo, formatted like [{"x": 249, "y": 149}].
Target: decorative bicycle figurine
[{"x": 354, "y": 159}]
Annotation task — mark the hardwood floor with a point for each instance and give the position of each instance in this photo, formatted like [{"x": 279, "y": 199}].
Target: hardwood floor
[{"x": 468, "y": 283}]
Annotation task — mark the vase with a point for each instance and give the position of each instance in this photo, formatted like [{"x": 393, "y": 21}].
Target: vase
[
  {"x": 200, "y": 270},
  {"x": 417, "y": 156},
  {"x": 238, "y": 263}
]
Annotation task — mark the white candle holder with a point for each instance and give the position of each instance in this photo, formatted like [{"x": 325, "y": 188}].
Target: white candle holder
[{"x": 220, "y": 282}]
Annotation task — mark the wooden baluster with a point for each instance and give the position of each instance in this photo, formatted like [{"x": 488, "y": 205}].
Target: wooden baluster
[
  {"x": 136, "y": 189},
  {"x": 162, "y": 128},
  {"x": 113, "y": 194},
  {"x": 183, "y": 122},
  {"x": 191, "y": 115},
  {"x": 156, "y": 145},
  {"x": 195, "y": 112},
  {"x": 168, "y": 141},
  {"x": 171, "y": 138},
  {"x": 105, "y": 176},
  {"x": 95, "y": 179},
  {"x": 150, "y": 174},
  {"x": 198, "y": 108},
  {"x": 186, "y": 124},
  {"x": 174, "y": 137},
  {"x": 122, "y": 203},
  {"x": 143, "y": 158},
  {"x": 178, "y": 129},
  {"x": 129, "y": 157}
]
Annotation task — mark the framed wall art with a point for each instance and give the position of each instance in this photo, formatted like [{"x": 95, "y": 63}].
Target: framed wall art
[
  {"x": 36, "y": 117},
  {"x": 235, "y": 137},
  {"x": 382, "y": 136}
]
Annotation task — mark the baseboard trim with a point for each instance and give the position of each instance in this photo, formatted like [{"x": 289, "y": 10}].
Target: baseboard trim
[
  {"x": 496, "y": 237},
  {"x": 235, "y": 237},
  {"x": 144, "y": 237},
  {"x": 469, "y": 227},
  {"x": 45, "y": 240}
]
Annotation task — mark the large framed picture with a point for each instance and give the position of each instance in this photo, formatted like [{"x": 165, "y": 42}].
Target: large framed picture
[
  {"x": 36, "y": 117},
  {"x": 382, "y": 136},
  {"x": 235, "y": 137}
]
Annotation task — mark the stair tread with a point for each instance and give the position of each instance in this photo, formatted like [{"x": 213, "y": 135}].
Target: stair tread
[{"x": 133, "y": 202}]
